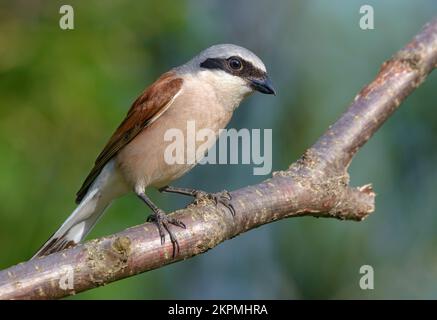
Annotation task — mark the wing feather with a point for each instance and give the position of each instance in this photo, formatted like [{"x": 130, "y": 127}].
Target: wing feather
[{"x": 145, "y": 110}]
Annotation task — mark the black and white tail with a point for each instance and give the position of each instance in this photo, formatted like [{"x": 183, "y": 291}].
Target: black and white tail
[
  {"x": 107, "y": 186},
  {"x": 77, "y": 226}
]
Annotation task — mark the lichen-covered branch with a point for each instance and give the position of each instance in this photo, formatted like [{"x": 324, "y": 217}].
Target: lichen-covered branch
[{"x": 315, "y": 185}]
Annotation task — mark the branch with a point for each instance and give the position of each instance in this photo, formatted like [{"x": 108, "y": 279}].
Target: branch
[{"x": 315, "y": 185}]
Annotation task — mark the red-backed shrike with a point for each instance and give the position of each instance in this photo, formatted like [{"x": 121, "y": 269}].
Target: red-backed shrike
[{"x": 207, "y": 90}]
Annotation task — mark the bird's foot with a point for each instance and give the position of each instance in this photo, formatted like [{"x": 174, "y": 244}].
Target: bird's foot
[
  {"x": 163, "y": 223},
  {"x": 223, "y": 197}
]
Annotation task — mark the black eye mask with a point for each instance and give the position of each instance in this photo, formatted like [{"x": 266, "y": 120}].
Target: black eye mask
[{"x": 247, "y": 71}]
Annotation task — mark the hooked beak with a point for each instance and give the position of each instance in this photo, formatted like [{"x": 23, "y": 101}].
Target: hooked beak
[{"x": 263, "y": 85}]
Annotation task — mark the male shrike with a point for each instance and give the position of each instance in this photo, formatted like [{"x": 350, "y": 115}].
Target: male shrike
[{"x": 207, "y": 89}]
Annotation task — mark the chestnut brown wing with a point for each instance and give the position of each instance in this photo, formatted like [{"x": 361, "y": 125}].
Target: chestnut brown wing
[{"x": 145, "y": 109}]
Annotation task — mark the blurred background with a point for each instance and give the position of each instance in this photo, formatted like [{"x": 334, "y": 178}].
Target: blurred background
[{"x": 62, "y": 93}]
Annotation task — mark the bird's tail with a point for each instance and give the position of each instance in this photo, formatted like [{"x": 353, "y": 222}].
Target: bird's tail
[{"x": 78, "y": 224}]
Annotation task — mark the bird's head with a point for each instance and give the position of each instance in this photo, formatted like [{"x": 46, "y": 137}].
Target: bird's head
[{"x": 233, "y": 70}]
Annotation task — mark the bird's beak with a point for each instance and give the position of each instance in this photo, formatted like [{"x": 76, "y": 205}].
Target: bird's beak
[{"x": 263, "y": 85}]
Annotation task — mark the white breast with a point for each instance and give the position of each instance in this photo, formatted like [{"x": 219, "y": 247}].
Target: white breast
[{"x": 142, "y": 161}]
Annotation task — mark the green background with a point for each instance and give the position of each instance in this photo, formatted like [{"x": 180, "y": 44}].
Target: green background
[{"x": 62, "y": 93}]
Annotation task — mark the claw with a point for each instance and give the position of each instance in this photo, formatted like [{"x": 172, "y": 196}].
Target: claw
[
  {"x": 173, "y": 240},
  {"x": 177, "y": 222},
  {"x": 224, "y": 198},
  {"x": 162, "y": 222}
]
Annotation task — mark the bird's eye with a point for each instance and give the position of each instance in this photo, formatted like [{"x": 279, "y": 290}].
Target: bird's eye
[{"x": 235, "y": 63}]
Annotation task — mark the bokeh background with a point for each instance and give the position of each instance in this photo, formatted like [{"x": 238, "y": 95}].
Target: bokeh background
[{"x": 62, "y": 93}]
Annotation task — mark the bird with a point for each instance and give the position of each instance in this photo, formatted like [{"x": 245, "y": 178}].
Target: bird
[{"x": 207, "y": 89}]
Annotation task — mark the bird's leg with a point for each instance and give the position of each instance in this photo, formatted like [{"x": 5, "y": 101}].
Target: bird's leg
[
  {"x": 184, "y": 191},
  {"x": 162, "y": 221},
  {"x": 223, "y": 197}
]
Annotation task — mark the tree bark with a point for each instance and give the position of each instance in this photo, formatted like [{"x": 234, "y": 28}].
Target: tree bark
[{"x": 315, "y": 185}]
